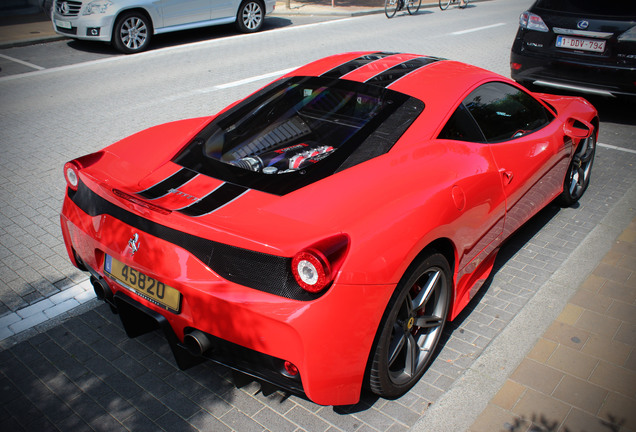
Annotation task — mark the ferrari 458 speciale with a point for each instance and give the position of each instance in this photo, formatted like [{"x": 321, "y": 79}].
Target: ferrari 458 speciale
[{"x": 319, "y": 233}]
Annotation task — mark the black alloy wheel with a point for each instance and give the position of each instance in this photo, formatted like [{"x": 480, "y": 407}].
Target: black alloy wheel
[
  {"x": 411, "y": 327},
  {"x": 577, "y": 178}
]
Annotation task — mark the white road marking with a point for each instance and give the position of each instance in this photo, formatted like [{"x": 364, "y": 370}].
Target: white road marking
[
  {"x": 22, "y": 62},
  {"x": 162, "y": 51},
  {"x": 612, "y": 147},
  {"x": 253, "y": 79},
  {"x": 461, "y": 32}
]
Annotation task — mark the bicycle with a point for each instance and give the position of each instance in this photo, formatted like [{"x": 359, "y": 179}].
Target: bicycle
[
  {"x": 392, "y": 6},
  {"x": 443, "y": 4}
]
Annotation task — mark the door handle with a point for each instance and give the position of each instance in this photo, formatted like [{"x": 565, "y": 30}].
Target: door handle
[{"x": 507, "y": 177}]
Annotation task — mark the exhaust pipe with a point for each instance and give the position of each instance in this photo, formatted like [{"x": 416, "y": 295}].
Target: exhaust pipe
[
  {"x": 102, "y": 290},
  {"x": 197, "y": 342}
]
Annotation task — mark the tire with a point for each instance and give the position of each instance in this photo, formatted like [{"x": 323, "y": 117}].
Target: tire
[
  {"x": 250, "y": 16},
  {"x": 132, "y": 32},
  {"x": 390, "y": 7},
  {"x": 412, "y": 6},
  {"x": 411, "y": 327},
  {"x": 443, "y": 4},
  {"x": 577, "y": 177}
]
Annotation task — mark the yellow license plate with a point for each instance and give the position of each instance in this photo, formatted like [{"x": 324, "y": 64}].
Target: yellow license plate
[{"x": 149, "y": 288}]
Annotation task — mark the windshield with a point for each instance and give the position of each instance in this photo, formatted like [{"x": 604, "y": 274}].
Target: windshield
[{"x": 299, "y": 130}]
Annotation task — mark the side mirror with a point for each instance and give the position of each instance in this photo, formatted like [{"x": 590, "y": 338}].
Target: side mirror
[{"x": 578, "y": 129}]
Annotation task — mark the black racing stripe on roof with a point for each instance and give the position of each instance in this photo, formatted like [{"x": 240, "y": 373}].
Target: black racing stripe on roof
[
  {"x": 175, "y": 181},
  {"x": 389, "y": 76},
  {"x": 216, "y": 199},
  {"x": 351, "y": 65}
]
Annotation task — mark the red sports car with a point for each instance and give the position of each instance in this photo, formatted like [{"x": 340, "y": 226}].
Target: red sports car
[{"x": 318, "y": 234}]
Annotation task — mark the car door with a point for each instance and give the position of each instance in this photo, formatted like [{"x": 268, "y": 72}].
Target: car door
[
  {"x": 179, "y": 12},
  {"x": 477, "y": 192},
  {"x": 531, "y": 155},
  {"x": 224, "y": 8}
]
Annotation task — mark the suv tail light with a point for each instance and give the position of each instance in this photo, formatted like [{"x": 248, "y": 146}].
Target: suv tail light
[
  {"x": 315, "y": 268},
  {"x": 531, "y": 21},
  {"x": 628, "y": 36}
]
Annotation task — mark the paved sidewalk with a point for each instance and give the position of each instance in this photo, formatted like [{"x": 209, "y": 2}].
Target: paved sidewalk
[{"x": 581, "y": 374}]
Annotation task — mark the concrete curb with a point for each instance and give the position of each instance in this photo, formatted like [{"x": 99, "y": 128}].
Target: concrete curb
[{"x": 33, "y": 41}]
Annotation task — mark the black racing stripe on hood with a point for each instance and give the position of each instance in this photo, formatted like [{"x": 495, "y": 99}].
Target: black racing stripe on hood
[
  {"x": 354, "y": 64},
  {"x": 389, "y": 76},
  {"x": 175, "y": 181},
  {"x": 216, "y": 199}
]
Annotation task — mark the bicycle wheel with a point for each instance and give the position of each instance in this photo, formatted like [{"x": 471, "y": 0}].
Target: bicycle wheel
[
  {"x": 413, "y": 6},
  {"x": 443, "y": 4},
  {"x": 390, "y": 7}
]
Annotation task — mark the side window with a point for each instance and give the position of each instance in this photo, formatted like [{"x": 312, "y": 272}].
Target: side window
[
  {"x": 462, "y": 127},
  {"x": 504, "y": 112}
]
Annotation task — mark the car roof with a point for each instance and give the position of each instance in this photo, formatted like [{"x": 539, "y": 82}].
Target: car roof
[{"x": 438, "y": 82}]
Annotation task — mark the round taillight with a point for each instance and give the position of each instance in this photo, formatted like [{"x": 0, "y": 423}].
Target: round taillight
[
  {"x": 290, "y": 369},
  {"x": 71, "y": 174},
  {"x": 311, "y": 270}
]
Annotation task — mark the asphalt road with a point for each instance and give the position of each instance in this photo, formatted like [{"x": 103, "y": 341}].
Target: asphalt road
[
  {"x": 24, "y": 59},
  {"x": 87, "y": 96}
]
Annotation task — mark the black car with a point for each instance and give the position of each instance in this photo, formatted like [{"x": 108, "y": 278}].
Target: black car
[{"x": 582, "y": 45}]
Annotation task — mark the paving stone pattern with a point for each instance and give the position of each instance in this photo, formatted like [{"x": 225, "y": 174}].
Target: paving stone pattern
[
  {"x": 87, "y": 375},
  {"x": 581, "y": 374}
]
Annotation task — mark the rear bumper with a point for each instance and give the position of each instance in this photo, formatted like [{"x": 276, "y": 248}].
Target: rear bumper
[
  {"x": 328, "y": 339},
  {"x": 581, "y": 76}
]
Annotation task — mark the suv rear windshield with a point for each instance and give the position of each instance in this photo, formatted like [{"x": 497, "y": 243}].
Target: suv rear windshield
[
  {"x": 300, "y": 130},
  {"x": 622, "y": 8}
]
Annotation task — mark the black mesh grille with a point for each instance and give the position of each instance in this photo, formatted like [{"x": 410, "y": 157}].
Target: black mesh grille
[{"x": 260, "y": 271}]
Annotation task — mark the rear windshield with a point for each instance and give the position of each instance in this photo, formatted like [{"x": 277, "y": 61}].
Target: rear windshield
[
  {"x": 616, "y": 8},
  {"x": 299, "y": 130}
]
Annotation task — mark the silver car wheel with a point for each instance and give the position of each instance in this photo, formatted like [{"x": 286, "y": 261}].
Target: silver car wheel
[
  {"x": 133, "y": 33},
  {"x": 252, "y": 15}
]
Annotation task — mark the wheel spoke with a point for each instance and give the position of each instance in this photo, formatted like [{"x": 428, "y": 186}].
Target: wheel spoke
[
  {"x": 574, "y": 181},
  {"x": 397, "y": 343},
  {"x": 425, "y": 293},
  {"x": 428, "y": 321},
  {"x": 412, "y": 356}
]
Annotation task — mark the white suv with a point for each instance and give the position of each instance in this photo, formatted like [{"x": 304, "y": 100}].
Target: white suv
[{"x": 130, "y": 24}]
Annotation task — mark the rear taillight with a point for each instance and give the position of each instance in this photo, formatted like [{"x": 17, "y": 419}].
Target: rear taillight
[
  {"x": 72, "y": 168},
  {"x": 314, "y": 268},
  {"x": 71, "y": 174},
  {"x": 628, "y": 36},
  {"x": 311, "y": 270},
  {"x": 530, "y": 21}
]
